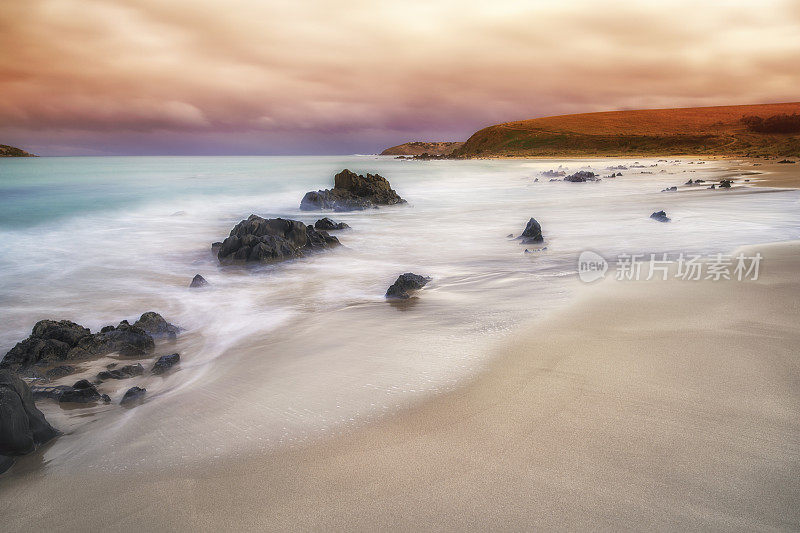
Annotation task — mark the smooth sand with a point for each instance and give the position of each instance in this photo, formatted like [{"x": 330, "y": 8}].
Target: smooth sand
[{"x": 646, "y": 405}]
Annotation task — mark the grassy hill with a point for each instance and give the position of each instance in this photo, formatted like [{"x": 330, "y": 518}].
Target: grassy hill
[
  {"x": 419, "y": 148},
  {"x": 12, "y": 151},
  {"x": 690, "y": 131}
]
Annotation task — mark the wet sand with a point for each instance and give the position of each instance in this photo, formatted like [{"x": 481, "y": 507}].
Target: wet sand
[{"x": 644, "y": 405}]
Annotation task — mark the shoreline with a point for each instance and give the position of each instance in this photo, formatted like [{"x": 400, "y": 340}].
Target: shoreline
[{"x": 666, "y": 404}]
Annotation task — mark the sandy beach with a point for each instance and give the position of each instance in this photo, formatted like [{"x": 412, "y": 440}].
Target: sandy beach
[{"x": 647, "y": 405}]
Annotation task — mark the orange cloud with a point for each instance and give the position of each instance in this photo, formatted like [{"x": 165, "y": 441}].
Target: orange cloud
[{"x": 249, "y": 76}]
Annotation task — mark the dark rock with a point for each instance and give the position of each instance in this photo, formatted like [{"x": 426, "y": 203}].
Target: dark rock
[
  {"x": 553, "y": 173},
  {"x": 5, "y": 463},
  {"x": 351, "y": 192},
  {"x": 327, "y": 224},
  {"x": 689, "y": 182},
  {"x": 670, "y": 189},
  {"x": 532, "y": 233},
  {"x": 60, "y": 371},
  {"x": 198, "y": 281},
  {"x": 81, "y": 392},
  {"x": 583, "y": 175},
  {"x": 22, "y": 425},
  {"x": 785, "y": 161},
  {"x": 124, "y": 372},
  {"x": 155, "y": 325},
  {"x": 404, "y": 284},
  {"x": 510, "y": 236},
  {"x": 660, "y": 216},
  {"x": 106, "y": 398},
  {"x": 269, "y": 240},
  {"x": 724, "y": 184},
  {"x": 713, "y": 186},
  {"x": 49, "y": 342},
  {"x": 699, "y": 181},
  {"x": 132, "y": 394},
  {"x": 165, "y": 362},
  {"x": 49, "y": 393},
  {"x": 127, "y": 340}
]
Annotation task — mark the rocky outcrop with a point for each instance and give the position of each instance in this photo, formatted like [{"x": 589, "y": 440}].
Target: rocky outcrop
[
  {"x": 155, "y": 324},
  {"x": 724, "y": 184},
  {"x": 583, "y": 175},
  {"x": 52, "y": 342},
  {"x": 81, "y": 392},
  {"x": 22, "y": 426},
  {"x": 197, "y": 282},
  {"x": 352, "y": 192},
  {"x": 327, "y": 224},
  {"x": 660, "y": 216},
  {"x": 49, "y": 342},
  {"x": 532, "y": 233},
  {"x": 421, "y": 147},
  {"x": 270, "y": 240},
  {"x": 406, "y": 284},
  {"x": 13, "y": 151},
  {"x": 133, "y": 394},
  {"x": 165, "y": 362}
]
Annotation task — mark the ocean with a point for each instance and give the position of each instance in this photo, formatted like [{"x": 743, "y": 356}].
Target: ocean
[{"x": 279, "y": 354}]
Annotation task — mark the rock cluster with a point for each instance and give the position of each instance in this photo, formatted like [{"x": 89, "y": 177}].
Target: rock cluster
[
  {"x": 583, "y": 175},
  {"x": 270, "y": 240},
  {"x": 352, "y": 192},
  {"x": 52, "y": 342},
  {"x": 327, "y": 224}
]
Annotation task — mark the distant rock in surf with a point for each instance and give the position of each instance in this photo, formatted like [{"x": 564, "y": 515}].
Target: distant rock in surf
[
  {"x": 553, "y": 173},
  {"x": 352, "y": 192},
  {"x": 198, "y": 281},
  {"x": 270, "y": 240},
  {"x": 724, "y": 184},
  {"x": 532, "y": 233},
  {"x": 405, "y": 284},
  {"x": 583, "y": 175},
  {"x": 670, "y": 189},
  {"x": 327, "y": 224},
  {"x": 660, "y": 216}
]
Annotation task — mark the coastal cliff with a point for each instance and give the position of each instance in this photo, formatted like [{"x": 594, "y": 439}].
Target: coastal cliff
[
  {"x": 419, "y": 148},
  {"x": 13, "y": 151}
]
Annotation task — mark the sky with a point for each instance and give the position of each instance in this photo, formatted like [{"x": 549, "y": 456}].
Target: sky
[{"x": 175, "y": 77}]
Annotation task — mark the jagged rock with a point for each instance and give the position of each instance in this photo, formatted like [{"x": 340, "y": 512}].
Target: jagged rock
[
  {"x": 690, "y": 182},
  {"x": 583, "y": 175},
  {"x": 532, "y": 233},
  {"x": 405, "y": 284},
  {"x": 165, "y": 362},
  {"x": 127, "y": 340},
  {"x": 352, "y": 192},
  {"x": 724, "y": 184},
  {"x": 670, "y": 189},
  {"x": 49, "y": 342},
  {"x": 81, "y": 392},
  {"x": 198, "y": 281},
  {"x": 660, "y": 216},
  {"x": 327, "y": 224},
  {"x": 269, "y": 240},
  {"x": 124, "y": 372},
  {"x": 154, "y": 324},
  {"x": 22, "y": 425},
  {"x": 60, "y": 371},
  {"x": 132, "y": 394}
]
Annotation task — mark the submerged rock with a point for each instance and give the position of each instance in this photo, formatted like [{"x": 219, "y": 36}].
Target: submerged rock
[
  {"x": 165, "y": 362},
  {"x": 132, "y": 394},
  {"x": 22, "y": 426},
  {"x": 124, "y": 372},
  {"x": 405, "y": 284},
  {"x": 660, "y": 216},
  {"x": 198, "y": 281},
  {"x": 352, "y": 192},
  {"x": 270, "y": 240},
  {"x": 329, "y": 225},
  {"x": 532, "y": 233}
]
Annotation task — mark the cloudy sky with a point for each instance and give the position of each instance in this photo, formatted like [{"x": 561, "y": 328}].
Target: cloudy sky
[{"x": 325, "y": 77}]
